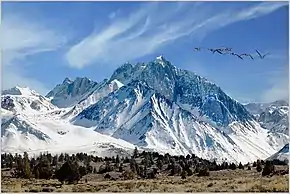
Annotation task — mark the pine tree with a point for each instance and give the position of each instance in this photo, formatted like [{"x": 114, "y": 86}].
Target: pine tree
[
  {"x": 268, "y": 168},
  {"x": 159, "y": 164},
  {"x": 254, "y": 164},
  {"x": 183, "y": 174},
  {"x": 133, "y": 165},
  {"x": 117, "y": 159},
  {"x": 241, "y": 166},
  {"x": 233, "y": 166},
  {"x": 69, "y": 171},
  {"x": 55, "y": 160},
  {"x": 83, "y": 171},
  {"x": 259, "y": 166},
  {"x": 121, "y": 167},
  {"x": 27, "y": 172},
  {"x": 44, "y": 168},
  {"x": 37, "y": 174},
  {"x": 189, "y": 172},
  {"x": 95, "y": 170},
  {"x": 61, "y": 157},
  {"x": 135, "y": 153},
  {"x": 22, "y": 169}
]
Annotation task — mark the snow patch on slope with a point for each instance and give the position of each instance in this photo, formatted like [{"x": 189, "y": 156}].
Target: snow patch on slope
[
  {"x": 56, "y": 136},
  {"x": 26, "y": 101}
]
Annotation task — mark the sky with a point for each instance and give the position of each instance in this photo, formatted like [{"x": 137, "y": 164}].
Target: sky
[{"x": 45, "y": 42}]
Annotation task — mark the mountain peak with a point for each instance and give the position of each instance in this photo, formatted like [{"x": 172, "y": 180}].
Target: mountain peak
[
  {"x": 67, "y": 80},
  {"x": 161, "y": 58},
  {"x": 17, "y": 90},
  {"x": 69, "y": 92}
]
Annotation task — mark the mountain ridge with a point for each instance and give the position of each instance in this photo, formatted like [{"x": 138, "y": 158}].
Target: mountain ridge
[{"x": 161, "y": 107}]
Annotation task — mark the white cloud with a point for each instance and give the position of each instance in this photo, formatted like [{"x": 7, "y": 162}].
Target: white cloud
[
  {"x": 149, "y": 28},
  {"x": 279, "y": 88},
  {"x": 16, "y": 77},
  {"x": 20, "y": 38}
]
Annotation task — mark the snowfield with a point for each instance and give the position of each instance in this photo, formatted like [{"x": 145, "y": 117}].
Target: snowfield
[
  {"x": 48, "y": 134},
  {"x": 42, "y": 130}
]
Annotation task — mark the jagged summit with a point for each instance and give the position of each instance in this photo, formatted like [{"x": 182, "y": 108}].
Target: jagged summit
[
  {"x": 185, "y": 88},
  {"x": 69, "y": 92},
  {"x": 67, "y": 81}
]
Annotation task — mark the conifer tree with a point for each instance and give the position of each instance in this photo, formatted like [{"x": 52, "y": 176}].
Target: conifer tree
[
  {"x": 241, "y": 166},
  {"x": 135, "y": 153}
]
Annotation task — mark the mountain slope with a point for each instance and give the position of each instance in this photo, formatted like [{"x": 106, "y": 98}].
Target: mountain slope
[
  {"x": 185, "y": 88},
  {"x": 42, "y": 133},
  {"x": 140, "y": 115},
  {"x": 35, "y": 130},
  {"x": 24, "y": 100},
  {"x": 155, "y": 106},
  {"x": 282, "y": 154},
  {"x": 93, "y": 96},
  {"x": 272, "y": 116}
]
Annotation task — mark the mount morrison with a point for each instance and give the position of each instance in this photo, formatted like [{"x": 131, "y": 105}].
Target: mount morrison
[{"x": 152, "y": 106}]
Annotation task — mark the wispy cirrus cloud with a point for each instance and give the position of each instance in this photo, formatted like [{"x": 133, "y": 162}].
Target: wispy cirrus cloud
[
  {"x": 278, "y": 86},
  {"x": 147, "y": 29},
  {"x": 22, "y": 37}
]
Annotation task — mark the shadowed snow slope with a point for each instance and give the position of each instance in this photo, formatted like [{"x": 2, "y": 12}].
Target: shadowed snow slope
[
  {"x": 282, "y": 154},
  {"x": 67, "y": 93},
  {"x": 94, "y": 95}
]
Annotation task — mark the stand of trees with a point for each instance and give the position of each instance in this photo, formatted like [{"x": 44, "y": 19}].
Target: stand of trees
[{"x": 145, "y": 165}]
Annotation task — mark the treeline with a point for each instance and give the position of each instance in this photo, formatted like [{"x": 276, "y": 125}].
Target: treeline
[{"x": 144, "y": 165}]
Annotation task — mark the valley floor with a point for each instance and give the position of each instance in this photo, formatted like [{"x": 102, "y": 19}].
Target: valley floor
[{"x": 218, "y": 181}]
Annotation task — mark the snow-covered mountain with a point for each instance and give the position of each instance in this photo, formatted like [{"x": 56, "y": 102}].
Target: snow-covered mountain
[
  {"x": 69, "y": 92},
  {"x": 24, "y": 100},
  {"x": 258, "y": 108},
  {"x": 272, "y": 116},
  {"x": 166, "y": 108},
  {"x": 186, "y": 89},
  {"x": 92, "y": 96},
  {"x": 39, "y": 128},
  {"x": 139, "y": 115},
  {"x": 154, "y": 106},
  {"x": 282, "y": 154}
]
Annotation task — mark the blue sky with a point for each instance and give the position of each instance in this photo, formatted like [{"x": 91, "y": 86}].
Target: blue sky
[{"x": 44, "y": 42}]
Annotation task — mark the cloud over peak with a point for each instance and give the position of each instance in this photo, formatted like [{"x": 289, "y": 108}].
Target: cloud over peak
[{"x": 145, "y": 30}]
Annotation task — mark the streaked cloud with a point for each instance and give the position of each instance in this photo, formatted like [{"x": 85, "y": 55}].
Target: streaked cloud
[
  {"x": 279, "y": 86},
  {"x": 144, "y": 31},
  {"x": 22, "y": 37},
  {"x": 16, "y": 76}
]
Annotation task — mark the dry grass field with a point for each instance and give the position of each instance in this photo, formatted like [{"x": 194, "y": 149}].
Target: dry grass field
[{"x": 219, "y": 181}]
